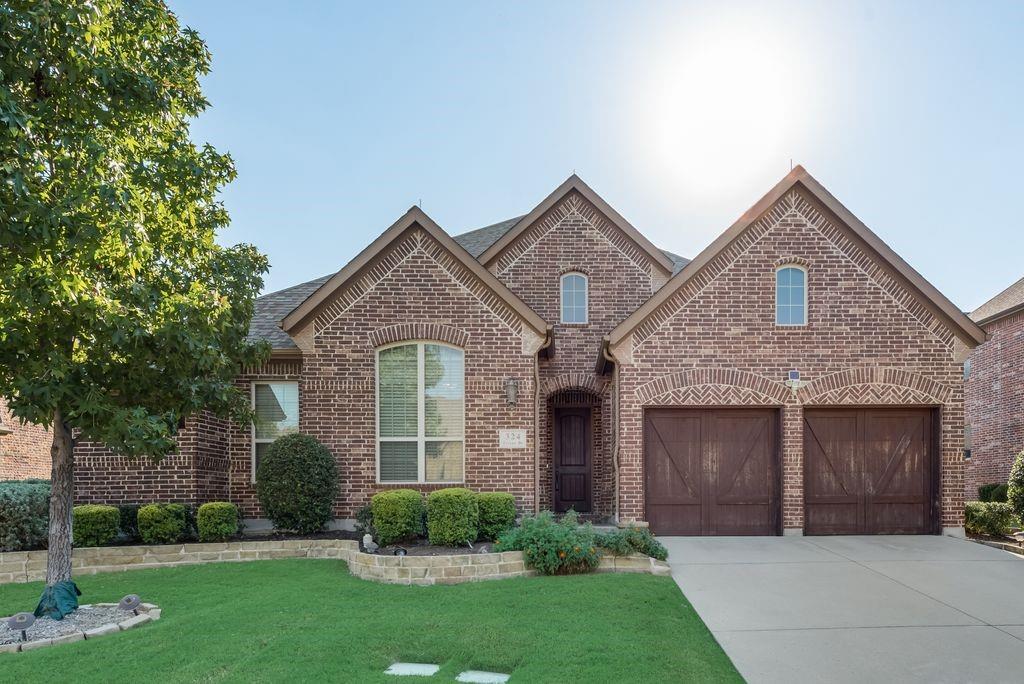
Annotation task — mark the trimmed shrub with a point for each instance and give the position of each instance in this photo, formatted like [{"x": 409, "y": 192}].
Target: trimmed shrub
[
  {"x": 1015, "y": 487},
  {"x": 217, "y": 521},
  {"x": 632, "y": 540},
  {"x": 297, "y": 482},
  {"x": 24, "y": 514},
  {"x": 993, "y": 518},
  {"x": 453, "y": 517},
  {"x": 397, "y": 515},
  {"x": 94, "y": 524},
  {"x": 162, "y": 523},
  {"x": 497, "y": 514},
  {"x": 129, "y": 522},
  {"x": 992, "y": 492},
  {"x": 553, "y": 548}
]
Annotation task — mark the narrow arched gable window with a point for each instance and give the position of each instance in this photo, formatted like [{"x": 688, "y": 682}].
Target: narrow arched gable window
[
  {"x": 574, "y": 298},
  {"x": 791, "y": 295},
  {"x": 420, "y": 413}
]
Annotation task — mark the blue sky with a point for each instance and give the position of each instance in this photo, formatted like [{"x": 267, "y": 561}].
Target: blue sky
[{"x": 681, "y": 115}]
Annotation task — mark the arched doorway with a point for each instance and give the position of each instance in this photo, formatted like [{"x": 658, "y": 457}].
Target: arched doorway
[{"x": 575, "y": 438}]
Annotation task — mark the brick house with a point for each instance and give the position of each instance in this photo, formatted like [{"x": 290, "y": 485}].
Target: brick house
[
  {"x": 24, "y": 448},
  {"x": 797, "y": 376},
  {"x": 994, "y": 391}
]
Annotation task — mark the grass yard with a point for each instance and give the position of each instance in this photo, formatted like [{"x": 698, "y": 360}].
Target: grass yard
[{"x": 309, "y": 620}]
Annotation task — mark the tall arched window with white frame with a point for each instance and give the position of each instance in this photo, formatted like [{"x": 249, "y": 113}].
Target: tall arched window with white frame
[
  {"x": 575, "y": 298},
  {"x": 791, "y": 295}
]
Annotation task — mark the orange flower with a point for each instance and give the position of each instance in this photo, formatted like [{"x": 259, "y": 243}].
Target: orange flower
[
  {"x": 576, "y": 549},
  {"x": 561, "y": 554}
]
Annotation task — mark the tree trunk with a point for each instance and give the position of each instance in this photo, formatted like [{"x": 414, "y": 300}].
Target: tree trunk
[{"x": 62, "y": 484}]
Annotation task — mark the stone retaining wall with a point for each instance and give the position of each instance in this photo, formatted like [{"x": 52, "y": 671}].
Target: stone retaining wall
[{"x": 30, "y": 566}]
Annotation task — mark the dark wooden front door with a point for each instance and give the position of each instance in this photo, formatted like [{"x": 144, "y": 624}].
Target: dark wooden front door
[
  {"x": 711, "y": 471},
  {"x": 869, "y": 471},
  {"x": 572, "y": 445}
]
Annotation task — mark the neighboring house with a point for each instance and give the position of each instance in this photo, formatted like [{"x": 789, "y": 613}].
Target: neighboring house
[
  {"x": 995, "y": 391},
  {"x": 24, "y": 448},
  {"x": 562, "y": 357}
]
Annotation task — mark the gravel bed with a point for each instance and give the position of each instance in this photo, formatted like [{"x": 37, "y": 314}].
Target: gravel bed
[{"x": 86, "y": 617}]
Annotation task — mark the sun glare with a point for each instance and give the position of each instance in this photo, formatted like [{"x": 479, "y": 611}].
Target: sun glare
[{"x": 720, "y": 106}]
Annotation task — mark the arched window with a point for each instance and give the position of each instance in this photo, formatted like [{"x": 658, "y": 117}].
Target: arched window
[
  {"x": 420, "y": 413},
  {"x": 791, "y": 295},
  {"x": 574, "y": 298}
]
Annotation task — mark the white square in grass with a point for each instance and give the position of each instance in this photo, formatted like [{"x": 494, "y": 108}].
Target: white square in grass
[
  {"x": 480, "y": 677},
  {"x": 412, "y": 670}
]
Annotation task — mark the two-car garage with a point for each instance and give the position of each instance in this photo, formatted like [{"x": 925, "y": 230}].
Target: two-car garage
[{"x": 718, "y": 471}]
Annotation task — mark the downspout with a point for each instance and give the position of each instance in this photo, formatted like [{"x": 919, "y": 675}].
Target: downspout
[
  {"x": 606, "y": 353},
  {"x": 548, "y": 339}
]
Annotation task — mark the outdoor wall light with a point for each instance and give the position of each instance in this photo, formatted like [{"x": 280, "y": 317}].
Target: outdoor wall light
[
  {"x": 20, "y": 623},
  {"x": 4, "y": 430},
  {"x": 511, "y": 391}
]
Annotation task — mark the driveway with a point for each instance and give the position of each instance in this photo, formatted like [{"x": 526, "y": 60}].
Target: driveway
[{"x": 857, "y": 609}]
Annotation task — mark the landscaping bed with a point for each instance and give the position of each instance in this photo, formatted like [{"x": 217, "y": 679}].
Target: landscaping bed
[{"x": 257, "y": 622}]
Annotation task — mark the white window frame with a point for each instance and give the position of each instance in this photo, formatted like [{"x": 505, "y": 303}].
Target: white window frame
[
  {"x": 421, "y": 439},
  {"x": 775, "y": 295},
  {"x": 252, "y": 427},
  {"x": 586, "y": 298}
]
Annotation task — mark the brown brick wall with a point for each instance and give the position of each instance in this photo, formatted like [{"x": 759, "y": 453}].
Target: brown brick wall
[
  {"x": 574, "y": 236},
  {"x": 995, "y": 404},
  {"x": 25, "y": 453},
  {"x": 195, "y": 474},
  {"x": 715, "y": 343},
  {"x": 418, "y": 291}
]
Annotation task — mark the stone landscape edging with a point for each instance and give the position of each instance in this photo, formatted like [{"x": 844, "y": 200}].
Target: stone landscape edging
[
  {"x": 30, "y": 566},
  {"x": 147, "y": 613}
]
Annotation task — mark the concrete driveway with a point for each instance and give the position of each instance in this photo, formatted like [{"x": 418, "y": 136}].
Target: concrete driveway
[{"x": 858, "y": 609}]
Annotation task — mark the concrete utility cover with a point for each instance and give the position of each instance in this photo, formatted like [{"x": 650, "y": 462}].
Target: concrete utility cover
[
  {"x": 412, "y": 670},
  {"x": 857, "y": 609},
  {"x": 480, "y": 677}
]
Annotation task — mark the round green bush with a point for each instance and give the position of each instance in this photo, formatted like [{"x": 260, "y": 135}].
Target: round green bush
[
  {"x": 497, "y": 513},
  {"x": 553, "y": 548},
  {"x": 24, "y": 514},
  {"x": 94, "y": 524},
  {"x": 297, "y": 482},
  {"x": 993, "y": 518},
  {"x": 453, "y": 517},
  {"x": 217, "y": 521},
  {"x": 1015, "y": 487},
  {"x": 631, "y": 540},
  {"x": 162, "y": 523},
  {"x": 397, "y": 515}
]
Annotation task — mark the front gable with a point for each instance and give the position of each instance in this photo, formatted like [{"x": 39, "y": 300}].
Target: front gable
[
  {"x": 798, "y": 209},
  {"x": 411, "y": 255}
]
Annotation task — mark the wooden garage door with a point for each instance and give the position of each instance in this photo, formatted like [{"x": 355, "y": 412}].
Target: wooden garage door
[
  {"x": 711, "y": 471},
  {"x": 869, "y": 471}
]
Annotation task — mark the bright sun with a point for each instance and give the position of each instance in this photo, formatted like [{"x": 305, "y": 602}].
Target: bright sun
[{"x": 720, "y": 106}]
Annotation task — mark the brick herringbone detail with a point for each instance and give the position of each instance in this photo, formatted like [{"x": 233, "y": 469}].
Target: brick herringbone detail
[
  {"x": 869, "y": 395},
  {"x": 758, "y": 390},
  {"x": 712, "y": 395},
  {"x": 563, "y": 381},
  {"x": 855, "y": 382}
]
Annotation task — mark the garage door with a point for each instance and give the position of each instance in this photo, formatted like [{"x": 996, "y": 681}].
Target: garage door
[
  {"x": 869, "y": 471},
  {"x": 711, "y": 471}
]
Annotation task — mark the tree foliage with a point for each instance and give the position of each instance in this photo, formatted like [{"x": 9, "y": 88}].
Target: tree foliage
[{"x": 118, "y": 307}]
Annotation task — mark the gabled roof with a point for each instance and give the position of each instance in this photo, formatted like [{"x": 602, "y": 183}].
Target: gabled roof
[
  {"x": 413, "y": 218},
  {"x": 959, "y": 323},
  {"x": 1009, "y": 301},
  {"x": 572, "y": 183},
  {"x": 272, "y": 307}
]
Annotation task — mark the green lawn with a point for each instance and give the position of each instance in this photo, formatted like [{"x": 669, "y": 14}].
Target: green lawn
[{"x": 309, "y": 620}]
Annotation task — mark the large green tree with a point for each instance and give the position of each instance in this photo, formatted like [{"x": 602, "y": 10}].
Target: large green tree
[{"x": 119, "y": 313}]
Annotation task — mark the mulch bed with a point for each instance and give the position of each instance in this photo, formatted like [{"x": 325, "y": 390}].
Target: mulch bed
[
  {"x": 86, "y": 617},
  {"x": 424, "y": 548}
]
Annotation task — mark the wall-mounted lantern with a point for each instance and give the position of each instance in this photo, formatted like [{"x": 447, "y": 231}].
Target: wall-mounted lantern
[{"x": 511, "y": 391}]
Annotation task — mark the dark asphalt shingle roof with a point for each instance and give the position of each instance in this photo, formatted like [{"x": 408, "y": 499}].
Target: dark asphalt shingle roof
[
  {"x": 273, "y": 307},
  {"x": 1010, "y": 298}
]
